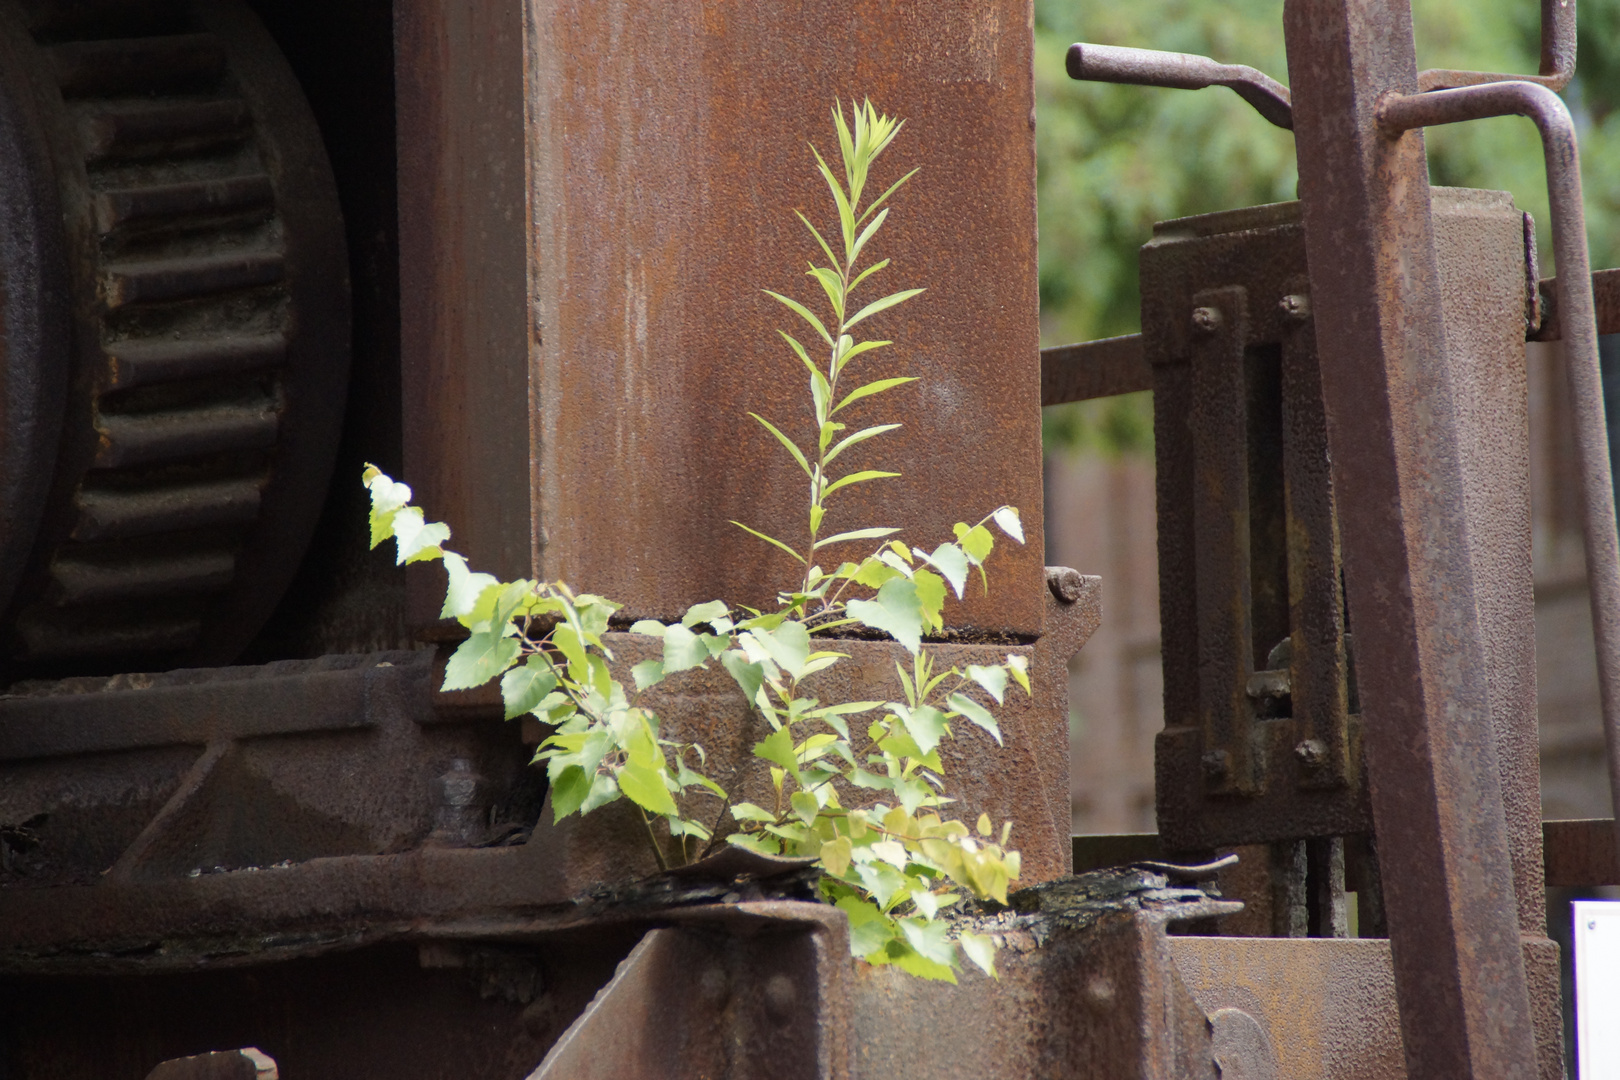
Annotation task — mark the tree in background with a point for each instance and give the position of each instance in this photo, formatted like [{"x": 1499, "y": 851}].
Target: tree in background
[{"x": 1115, "y": 159}]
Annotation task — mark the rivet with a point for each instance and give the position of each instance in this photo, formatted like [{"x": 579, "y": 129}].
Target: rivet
[
  {"x": 1066, "y": 584},
  {"x": 1217, "y": 765},
  {"x": 1312, "y": 753},
  {"x": 1296, "y": 306},
  {"x": 780, "y": 996},
  {"x": 1206, "y": 319}
]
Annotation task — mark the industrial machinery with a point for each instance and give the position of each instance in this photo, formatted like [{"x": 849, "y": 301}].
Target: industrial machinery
[{"x": 251, "y": 245}]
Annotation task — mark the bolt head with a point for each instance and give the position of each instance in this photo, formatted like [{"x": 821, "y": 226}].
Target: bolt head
[
  {"x": 1206, "y": 320},
  {"x": 1217, "y": 765},
  {"x": 1296, "y": 307},
  {"x": 1312, "y": 753}
]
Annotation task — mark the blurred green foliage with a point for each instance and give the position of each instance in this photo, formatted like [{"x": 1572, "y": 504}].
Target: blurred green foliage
[{"x": 1115, "y": 159}]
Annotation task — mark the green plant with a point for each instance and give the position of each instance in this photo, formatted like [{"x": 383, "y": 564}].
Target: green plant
[{"x": 894, "y": 864}]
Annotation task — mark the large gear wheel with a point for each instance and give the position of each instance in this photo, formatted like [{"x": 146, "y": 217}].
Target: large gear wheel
[{"x": 174, "y": 289}]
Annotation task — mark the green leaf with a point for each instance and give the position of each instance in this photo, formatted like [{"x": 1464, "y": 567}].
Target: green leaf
[
  {"x": 1007, "y": 519},
  {"x": 949, "y": 560},
  {"x": 881, "y": 199},
  {"x": 805, "y": 806},
  {"x": 788, "y": 645},
  {"x": 980, "y": 949},
  {"x": 647, "y": 673},
  {"x": 871, "y": 388},
  {"x": 804, "y": 313},
  {"x": 857, "y": 534},
  {"x": 833, "y": 286},
  {"x": 1018, "y": 668},
  {"x": 866, "y": 233},
  {"x": 569, "y": 791},
  {"x": 856, "y": 478},
  {"x": 417, "y": 540},
  {"x": 644, "y": 785},
  {"x": 835, "y": 856},
  {"x": 603, "y": 791},
  {"x": 976, "y": 713},
  {"x": 748, "y": 675},
  {"x": 931, "y": 595},
  {"x": 798, "y": 455},
  {"x": 479, "y": 659},
  {"x": 524, "y": 687},
  {"x": 976, "y": 542},
  {"x": 931, "y": 938},
  {"x": 896, "y": 611},
  {"x": 710, "y": 613},
  {"x": 862, "y": 347},
  {"x": 993, "y": 679},
  {"x": 777, "y": 748},
  {"x": 764, "y": 845},
  {"x": 464, "y": 588},
  {"x": 683, "y": 650},
  {"x": 925, "y": 724},
  {"x": 747, "y": 811},
  {"x": 881, "y": 305},
  {"x": 825, "y": 247},
  {"x": 650, "y": 627},
  {"x": 772, "y": 540},
  {"x": 870, "y": 931},
  {"x": 851, "y": 440}
]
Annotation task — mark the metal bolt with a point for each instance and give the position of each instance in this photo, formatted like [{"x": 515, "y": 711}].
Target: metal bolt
[
  {"x": 780, "y": 996},
  {"x": 1217, "y": 765},
  {"x": 1312, "y": 753},
  {"x": 1099, "y": 993},
  {"x": 1296, "y": 307},
  {"x": 1066, "y": 584},
  {"x": 1206, "y": 319}
]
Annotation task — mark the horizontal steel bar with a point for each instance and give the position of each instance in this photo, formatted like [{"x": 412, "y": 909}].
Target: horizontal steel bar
[{"x": 1094, "y": 369}]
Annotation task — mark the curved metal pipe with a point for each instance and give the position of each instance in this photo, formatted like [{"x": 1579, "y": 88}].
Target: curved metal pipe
[
  {"x": 1577, "y": 314},
  {"x": 1180, "y": 71},
  {"x": 1557, "y": 56}
]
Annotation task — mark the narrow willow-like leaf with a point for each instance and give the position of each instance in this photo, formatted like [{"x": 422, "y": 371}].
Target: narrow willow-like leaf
[
  {"x": 872, "y": 388},
  {"x": 858, "y": 349},
  {"x": 894, "y": 187},
  {"x": 846, "y": 215},
  {"x": 866, "y": 233},
  {"x": 884, "y": 304},
  {"x": 864, "y": 274},
  {"x": 832, "y": 285},
  {"x": 771, "y": 540},
  {"x": 798, "y": 455},
  {"x": 856, "y": 478},
  {"x": 857, "y": 534},
  {"x": 817, "y": 234},
  {"x": 859, "y": 437},
  {"x": 798, "y": 350},
  {"x": 802, "y": 312}
]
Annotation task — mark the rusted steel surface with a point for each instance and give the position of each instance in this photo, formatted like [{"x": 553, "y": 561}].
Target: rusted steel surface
[
  {"x": 1605, "y": 297},
  {"x": 224, "y": 803},
  {"x": 206, "y": 351},
  {"x": 1580, "y": 853},
  {"x": 1094, "y": 369},
  {"x": 1087, "y": 988},
  {"x": 753, "y": 990},
  {"x": 1025, "y": 781},
  {"x": 1181, "y": 71},
  {"x": 1579, "y": 332},
  {"x": 1327, "y": 1007},
  {"x": 466, "y": 324},
  {"x": 661, "y": 204},
  {"x": 1421, "y": 664}
]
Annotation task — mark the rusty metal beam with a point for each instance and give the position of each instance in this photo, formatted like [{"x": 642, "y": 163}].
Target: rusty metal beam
[
  {"x": 1436, "y": 792},
  {"x": 1094, "y": 369}
]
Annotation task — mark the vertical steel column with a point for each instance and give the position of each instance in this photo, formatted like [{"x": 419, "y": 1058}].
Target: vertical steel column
[{"x": 1436, "y": 793}]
